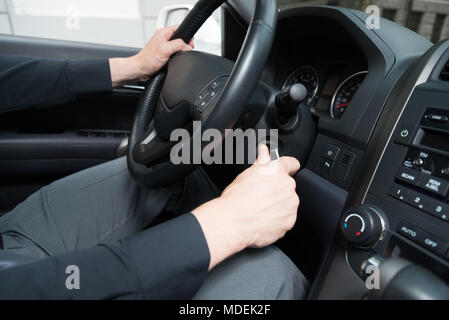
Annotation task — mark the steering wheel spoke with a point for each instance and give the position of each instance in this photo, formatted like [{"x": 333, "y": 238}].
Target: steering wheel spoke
[{"x": 152, "y": 149}]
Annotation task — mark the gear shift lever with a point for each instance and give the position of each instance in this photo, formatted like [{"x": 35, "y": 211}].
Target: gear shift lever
[{"x": 288, "y": 100}]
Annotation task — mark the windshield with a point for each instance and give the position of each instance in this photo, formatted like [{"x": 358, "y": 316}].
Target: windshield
[{"x": 426, "y": 17}]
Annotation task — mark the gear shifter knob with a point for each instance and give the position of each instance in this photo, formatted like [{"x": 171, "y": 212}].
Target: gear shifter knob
[{"x": 289, "y": 98}]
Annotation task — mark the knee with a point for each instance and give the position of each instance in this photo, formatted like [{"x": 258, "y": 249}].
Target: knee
[
  {"x": 255, "y": 274},
  {"x": 284, "y": 281}
]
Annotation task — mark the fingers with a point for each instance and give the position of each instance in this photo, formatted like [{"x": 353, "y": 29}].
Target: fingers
[
  {"x": 263, "y": 156},
  {"x": 174, "y": 46},
  {"x": 168, "y": 32},
  {"x": 290, "y": 165}
]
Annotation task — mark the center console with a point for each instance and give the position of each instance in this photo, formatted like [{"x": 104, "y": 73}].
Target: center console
[
  {"x": 400, "y": 224},
  {"x": 411, "y": 186}
]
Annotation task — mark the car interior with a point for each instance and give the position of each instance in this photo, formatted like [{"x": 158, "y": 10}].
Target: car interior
[{"x": 372, "y": 136}]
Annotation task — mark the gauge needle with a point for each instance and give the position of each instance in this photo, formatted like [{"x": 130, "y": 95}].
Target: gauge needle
[{"x": 342, "y": 105}]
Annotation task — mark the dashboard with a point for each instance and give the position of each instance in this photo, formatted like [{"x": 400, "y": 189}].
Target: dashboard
[
  {"x": 375, "y": 186},
  {"x": 374, "y": 189},
  {"x": 331, "y": 66}
]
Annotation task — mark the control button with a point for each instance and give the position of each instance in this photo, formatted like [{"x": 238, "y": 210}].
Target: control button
[
  {"x": 408, "y": 175},
  {"x": 203, "y": 94},
  {"x": 403, "y": 134},
  {"x": 215, "y": 92},
  {"x": 214, "y": 84},
  {"x": 199, "y": 100},
  {"x": 363, "y": 226},
  {"x": 438, "y": 209},
  {"x": 434, "y": 185},
  {"x": 354, "y": 224},
  {"x": 409, "y": 231},
  {"x": 418, "y": 200},
  {"x": 399, "y": 192},
  {"x": 418, "y": 163},
  {"x": 331, "y": 152},
  {"x": 430, "y": 242},
  {"x": 326, "y": 165},
  {"x": 445, "y": 171},
  {"x": 204, "y": 103},
  {"x": 202, "y": 106}
]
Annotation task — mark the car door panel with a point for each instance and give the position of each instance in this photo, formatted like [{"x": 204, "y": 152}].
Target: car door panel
[
  {"x": 39, "y": 145},
  {"x": 48, "y": 48}
]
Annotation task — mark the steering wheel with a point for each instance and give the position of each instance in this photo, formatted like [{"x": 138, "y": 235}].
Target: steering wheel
[{"x": 196, "y": 86}]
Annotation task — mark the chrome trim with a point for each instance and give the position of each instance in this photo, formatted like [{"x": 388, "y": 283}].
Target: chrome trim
[
  {"x": 126, "y": 86},
  {"x": 150, "y": 137},
  {"x": 331, "y": 109},
  {"x": 383, "y": 224}
]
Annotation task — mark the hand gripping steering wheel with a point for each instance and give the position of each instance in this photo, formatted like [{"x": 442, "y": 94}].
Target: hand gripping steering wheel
[{"x": 196, "y": 86}]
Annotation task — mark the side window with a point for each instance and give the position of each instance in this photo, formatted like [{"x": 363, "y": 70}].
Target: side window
[
  {"x": 207, "y": 39},
  {"x": 115, "y": 22},
  {"x": 5, "y": 25}
]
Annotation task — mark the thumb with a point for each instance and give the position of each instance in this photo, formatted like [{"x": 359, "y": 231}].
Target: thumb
[{"x": 263, "y": 155}]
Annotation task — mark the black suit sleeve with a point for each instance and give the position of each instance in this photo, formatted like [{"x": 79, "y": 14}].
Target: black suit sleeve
[
  {"x": 28, "y": 81},
  {"x": 169, "y": 261}
]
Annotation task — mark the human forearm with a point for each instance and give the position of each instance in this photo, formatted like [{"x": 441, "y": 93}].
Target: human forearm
[
  {"x": 222, "y": 234},
  {"x": 168, "y": 261},
  {"x": 124, "y": 70},
  {"x": 30, "y": 81}
]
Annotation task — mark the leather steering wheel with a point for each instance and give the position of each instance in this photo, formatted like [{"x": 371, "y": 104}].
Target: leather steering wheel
[{"x": 182, "y": 91}]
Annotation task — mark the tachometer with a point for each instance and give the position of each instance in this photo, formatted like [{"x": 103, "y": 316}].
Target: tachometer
[
  {"x": 308, "y": 77},
  {"x": 344, "y": 94}
]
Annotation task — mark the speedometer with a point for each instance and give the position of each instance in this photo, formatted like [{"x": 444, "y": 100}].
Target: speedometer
[
  {"x": 344, "y": 94},
  {"x": 308, "y": 77}
]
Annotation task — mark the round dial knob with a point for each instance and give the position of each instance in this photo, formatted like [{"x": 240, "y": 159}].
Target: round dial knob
[{"x": 363, "y": 226}]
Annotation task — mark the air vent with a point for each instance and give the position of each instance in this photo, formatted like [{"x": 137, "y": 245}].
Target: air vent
[
  {"x": 347, "y": 158},
  {"x": 444, "y": 75}
]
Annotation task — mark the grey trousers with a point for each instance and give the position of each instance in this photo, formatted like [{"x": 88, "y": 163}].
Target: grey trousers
[{"x": 103, "y": 204}]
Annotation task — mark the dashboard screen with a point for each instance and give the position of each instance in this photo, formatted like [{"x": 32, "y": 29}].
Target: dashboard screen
[{"x": 329, "y": 88}]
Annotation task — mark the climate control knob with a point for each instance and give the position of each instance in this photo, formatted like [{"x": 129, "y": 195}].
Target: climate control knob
[{"x": 363, "y": 226}]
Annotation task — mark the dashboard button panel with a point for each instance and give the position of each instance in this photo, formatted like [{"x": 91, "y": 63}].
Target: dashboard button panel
[
  {"x": 209, "y": 93},
  {"x": 432, "y": 243},
  {"x": 326, "y": 165},
  {"x": 332, "y": 152},
  {"x": 422, "y": 238},
  {"x": 399, "y": 192},
  {"x": 434, "y": 185},
  {"x": 423, "y": 180},
  {"x": 404, "y": 134},
  {"x": 439, "y": 210},
  {"x": 411, "y": 183},
  {"x": 420, "y": 201},
  {"x": 408, "y": 175},
  {"x": 410, "y": 231}
]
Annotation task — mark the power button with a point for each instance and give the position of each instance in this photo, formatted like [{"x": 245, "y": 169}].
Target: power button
[{"x": 404, "y": 134}]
